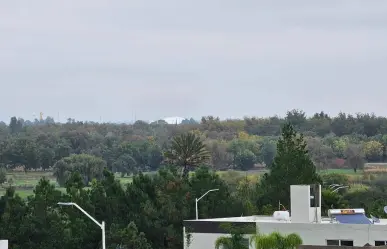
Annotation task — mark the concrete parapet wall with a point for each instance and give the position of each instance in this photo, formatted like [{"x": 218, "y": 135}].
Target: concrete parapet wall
[{"x": 341, "y": 247}]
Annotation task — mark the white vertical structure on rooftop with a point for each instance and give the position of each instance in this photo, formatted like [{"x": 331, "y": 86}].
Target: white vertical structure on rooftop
[
  {"x": 3, "y": 244},
  {"x": 305, "y": 203}
]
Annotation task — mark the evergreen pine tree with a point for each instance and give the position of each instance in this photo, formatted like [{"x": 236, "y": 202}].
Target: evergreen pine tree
[{"x": 291, "y": 166}]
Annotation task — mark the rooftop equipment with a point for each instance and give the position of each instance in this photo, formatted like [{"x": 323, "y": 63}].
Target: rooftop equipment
[
  {"x": 349, "y": 216},
  {"x": 281, "y": 215},
  {"x": 375, "y": 219}
]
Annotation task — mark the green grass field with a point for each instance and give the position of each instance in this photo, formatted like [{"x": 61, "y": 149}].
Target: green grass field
[
  {"x": 341, "y": 171},
  {"x": 25, "y": 182}
]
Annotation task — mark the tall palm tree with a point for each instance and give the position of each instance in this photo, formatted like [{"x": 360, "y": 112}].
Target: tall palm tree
[
  {"x": 187, "y": 150},
  {"x": 276, "y": 240}
]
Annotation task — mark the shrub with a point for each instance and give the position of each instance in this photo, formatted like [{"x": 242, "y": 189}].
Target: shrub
[{"x": 335, "y": 178}]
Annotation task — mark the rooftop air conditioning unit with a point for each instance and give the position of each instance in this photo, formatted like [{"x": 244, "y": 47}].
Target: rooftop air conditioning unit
[{"x": 281, "y": 215}]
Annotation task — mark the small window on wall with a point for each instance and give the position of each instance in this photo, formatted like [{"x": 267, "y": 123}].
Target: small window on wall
[
  {"x": 380, "y": 243},
  {"x": 339, "y": 242},
  {"x": 333, "y": 242},
  {"x": 346, "y": 242}
]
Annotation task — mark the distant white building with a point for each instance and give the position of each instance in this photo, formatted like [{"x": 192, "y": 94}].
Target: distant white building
[
  {"x": 174, "y": 120},
  {"x": 346, "y": 227}
]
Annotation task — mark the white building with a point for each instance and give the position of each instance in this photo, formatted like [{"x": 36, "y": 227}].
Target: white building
[
  {"x": 3, "y": 244},
  {"x": 347, "y": 227}
]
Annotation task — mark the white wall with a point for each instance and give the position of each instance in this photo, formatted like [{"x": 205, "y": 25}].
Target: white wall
[
  {"x": 3, "y": 244},
  {"x": 204, "y": 241},
  {"x": 300, "y": 209},
  {"x": 311, "y": 234},
  {"x": 317, "y": 234},
  {"x": 300, "y": 203}
]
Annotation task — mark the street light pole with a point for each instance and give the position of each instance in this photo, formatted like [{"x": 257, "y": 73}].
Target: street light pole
[
  {"x": 198, "y": 199},
  {"x": 337, "y": 189},
  {"x": 332, "y": 186},
  {"x": 101, "y": 225}
]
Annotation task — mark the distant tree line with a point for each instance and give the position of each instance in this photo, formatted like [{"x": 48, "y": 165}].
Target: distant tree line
[{"x": 333, "y": 142}]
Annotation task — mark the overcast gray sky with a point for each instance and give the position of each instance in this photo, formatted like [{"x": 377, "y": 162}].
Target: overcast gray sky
[{"x": 88, "y": 59}]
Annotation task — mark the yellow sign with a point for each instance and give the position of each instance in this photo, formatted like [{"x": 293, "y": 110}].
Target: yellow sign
[{"x": 347, "y": 211}]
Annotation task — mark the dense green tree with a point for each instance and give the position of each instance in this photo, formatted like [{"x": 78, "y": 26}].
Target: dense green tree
[
  {"x": 125, "y": 164},
  {"x": 46, "y": 158},
  {"x": 373, "y": 150},
  {"x": 88, "y": 166},
  {"x": 154, "y": 157},
  {"x": 292, "y": 165},
  {"x": 221, "y": 158},
  {"x": 244, "y": 160},
  {"x": 13, "y": 210},
  {"x": 268, "y": 151},
  {"x": 355, "y": 157},
  {"x": 15, "y": 125},
  {"x": 296, "y": 118},
  {"x": 245, "y": 151},
  {"x": 217, "y": 204},
  {"x": 127, "y": 238}
]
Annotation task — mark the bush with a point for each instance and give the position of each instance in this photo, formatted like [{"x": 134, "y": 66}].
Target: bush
[
  {"x": 335, "y": 178},
  {"x": 379, "y": 182}
]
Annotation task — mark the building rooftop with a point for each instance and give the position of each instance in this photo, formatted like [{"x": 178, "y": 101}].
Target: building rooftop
[
  {"x": 271, "y": 219},
  {"x": 305, "y": 204}
]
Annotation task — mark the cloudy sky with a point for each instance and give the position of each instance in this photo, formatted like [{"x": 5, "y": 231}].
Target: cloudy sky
[{"x": 120, "y": 59}]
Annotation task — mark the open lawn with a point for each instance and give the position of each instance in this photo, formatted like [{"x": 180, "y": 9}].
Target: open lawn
[
  {"x": 341, "y": 171},
  {"x": 25, "y": 182}
]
